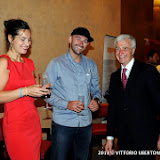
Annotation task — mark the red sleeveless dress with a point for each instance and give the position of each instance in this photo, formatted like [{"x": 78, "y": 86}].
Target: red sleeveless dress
[{"x": 21, "y": 122}]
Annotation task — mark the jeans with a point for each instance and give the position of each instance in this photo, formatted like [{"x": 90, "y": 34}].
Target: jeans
[{"x": 66, "y": 139}]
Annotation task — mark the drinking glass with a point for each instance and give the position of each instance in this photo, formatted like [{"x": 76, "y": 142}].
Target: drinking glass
[
  {"x": 44, "y": 82},
  {"x": 81, "y": 98}
]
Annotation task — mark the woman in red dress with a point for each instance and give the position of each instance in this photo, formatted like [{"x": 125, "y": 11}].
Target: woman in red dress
[{"x": 21, "y": 122}]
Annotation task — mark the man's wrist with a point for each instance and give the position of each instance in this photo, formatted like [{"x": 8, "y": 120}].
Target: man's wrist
[{"x": 98, "y": 100}]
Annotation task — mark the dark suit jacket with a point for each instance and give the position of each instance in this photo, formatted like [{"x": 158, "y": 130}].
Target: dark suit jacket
[{"x": 134, "y": 110}]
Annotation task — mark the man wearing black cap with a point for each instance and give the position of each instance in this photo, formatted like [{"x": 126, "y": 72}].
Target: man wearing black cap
[{"x": 73, "y": 76}]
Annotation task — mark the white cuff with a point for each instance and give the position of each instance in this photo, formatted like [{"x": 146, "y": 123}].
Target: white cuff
[{"x": 110, "y": 138}]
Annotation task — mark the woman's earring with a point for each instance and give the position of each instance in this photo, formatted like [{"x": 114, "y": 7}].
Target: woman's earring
[{"x": 10, "y": 47}]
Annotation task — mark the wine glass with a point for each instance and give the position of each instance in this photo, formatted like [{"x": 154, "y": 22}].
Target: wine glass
[
  {"x": 81, "y": 98},
  {"x": 44, "y": 82}
]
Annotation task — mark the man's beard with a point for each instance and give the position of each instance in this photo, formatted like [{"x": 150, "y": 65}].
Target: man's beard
[{"x": 72, "y": 47}]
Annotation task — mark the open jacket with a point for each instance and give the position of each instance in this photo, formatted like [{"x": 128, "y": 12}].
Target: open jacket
[{"x": 134, "y": 110}]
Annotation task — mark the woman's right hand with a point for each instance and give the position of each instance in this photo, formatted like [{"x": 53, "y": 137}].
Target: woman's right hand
[{"x": 37, "y": 90}]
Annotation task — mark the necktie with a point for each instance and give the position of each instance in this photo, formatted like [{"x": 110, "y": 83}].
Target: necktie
[{"x": 124, "y": 78}]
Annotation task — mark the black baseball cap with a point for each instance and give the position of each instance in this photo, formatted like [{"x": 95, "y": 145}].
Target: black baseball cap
[{"x": 82, "y": 31}]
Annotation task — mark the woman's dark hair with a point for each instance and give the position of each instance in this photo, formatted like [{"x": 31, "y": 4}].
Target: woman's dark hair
[{"x": 13, "y": 26}]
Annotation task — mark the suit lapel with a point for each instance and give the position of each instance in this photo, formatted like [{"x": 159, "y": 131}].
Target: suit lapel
[
  {"x": 132, "y": 76},
  {"x": 119, "y": 81}
]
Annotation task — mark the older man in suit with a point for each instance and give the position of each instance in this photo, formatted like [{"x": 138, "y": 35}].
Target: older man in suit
[{"x": 134, "y": 100}]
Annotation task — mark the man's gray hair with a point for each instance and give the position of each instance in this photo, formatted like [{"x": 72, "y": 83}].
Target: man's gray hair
[{"x": 126, "y": 36}]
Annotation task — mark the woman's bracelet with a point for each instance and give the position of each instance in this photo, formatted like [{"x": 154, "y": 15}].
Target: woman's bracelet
[{"x": 21, "y": 95}]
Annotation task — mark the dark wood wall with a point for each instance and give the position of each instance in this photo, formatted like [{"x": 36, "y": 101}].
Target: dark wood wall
[
  {"x": 156, "y": 22},
  {"x": 137, "y": 20}
]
